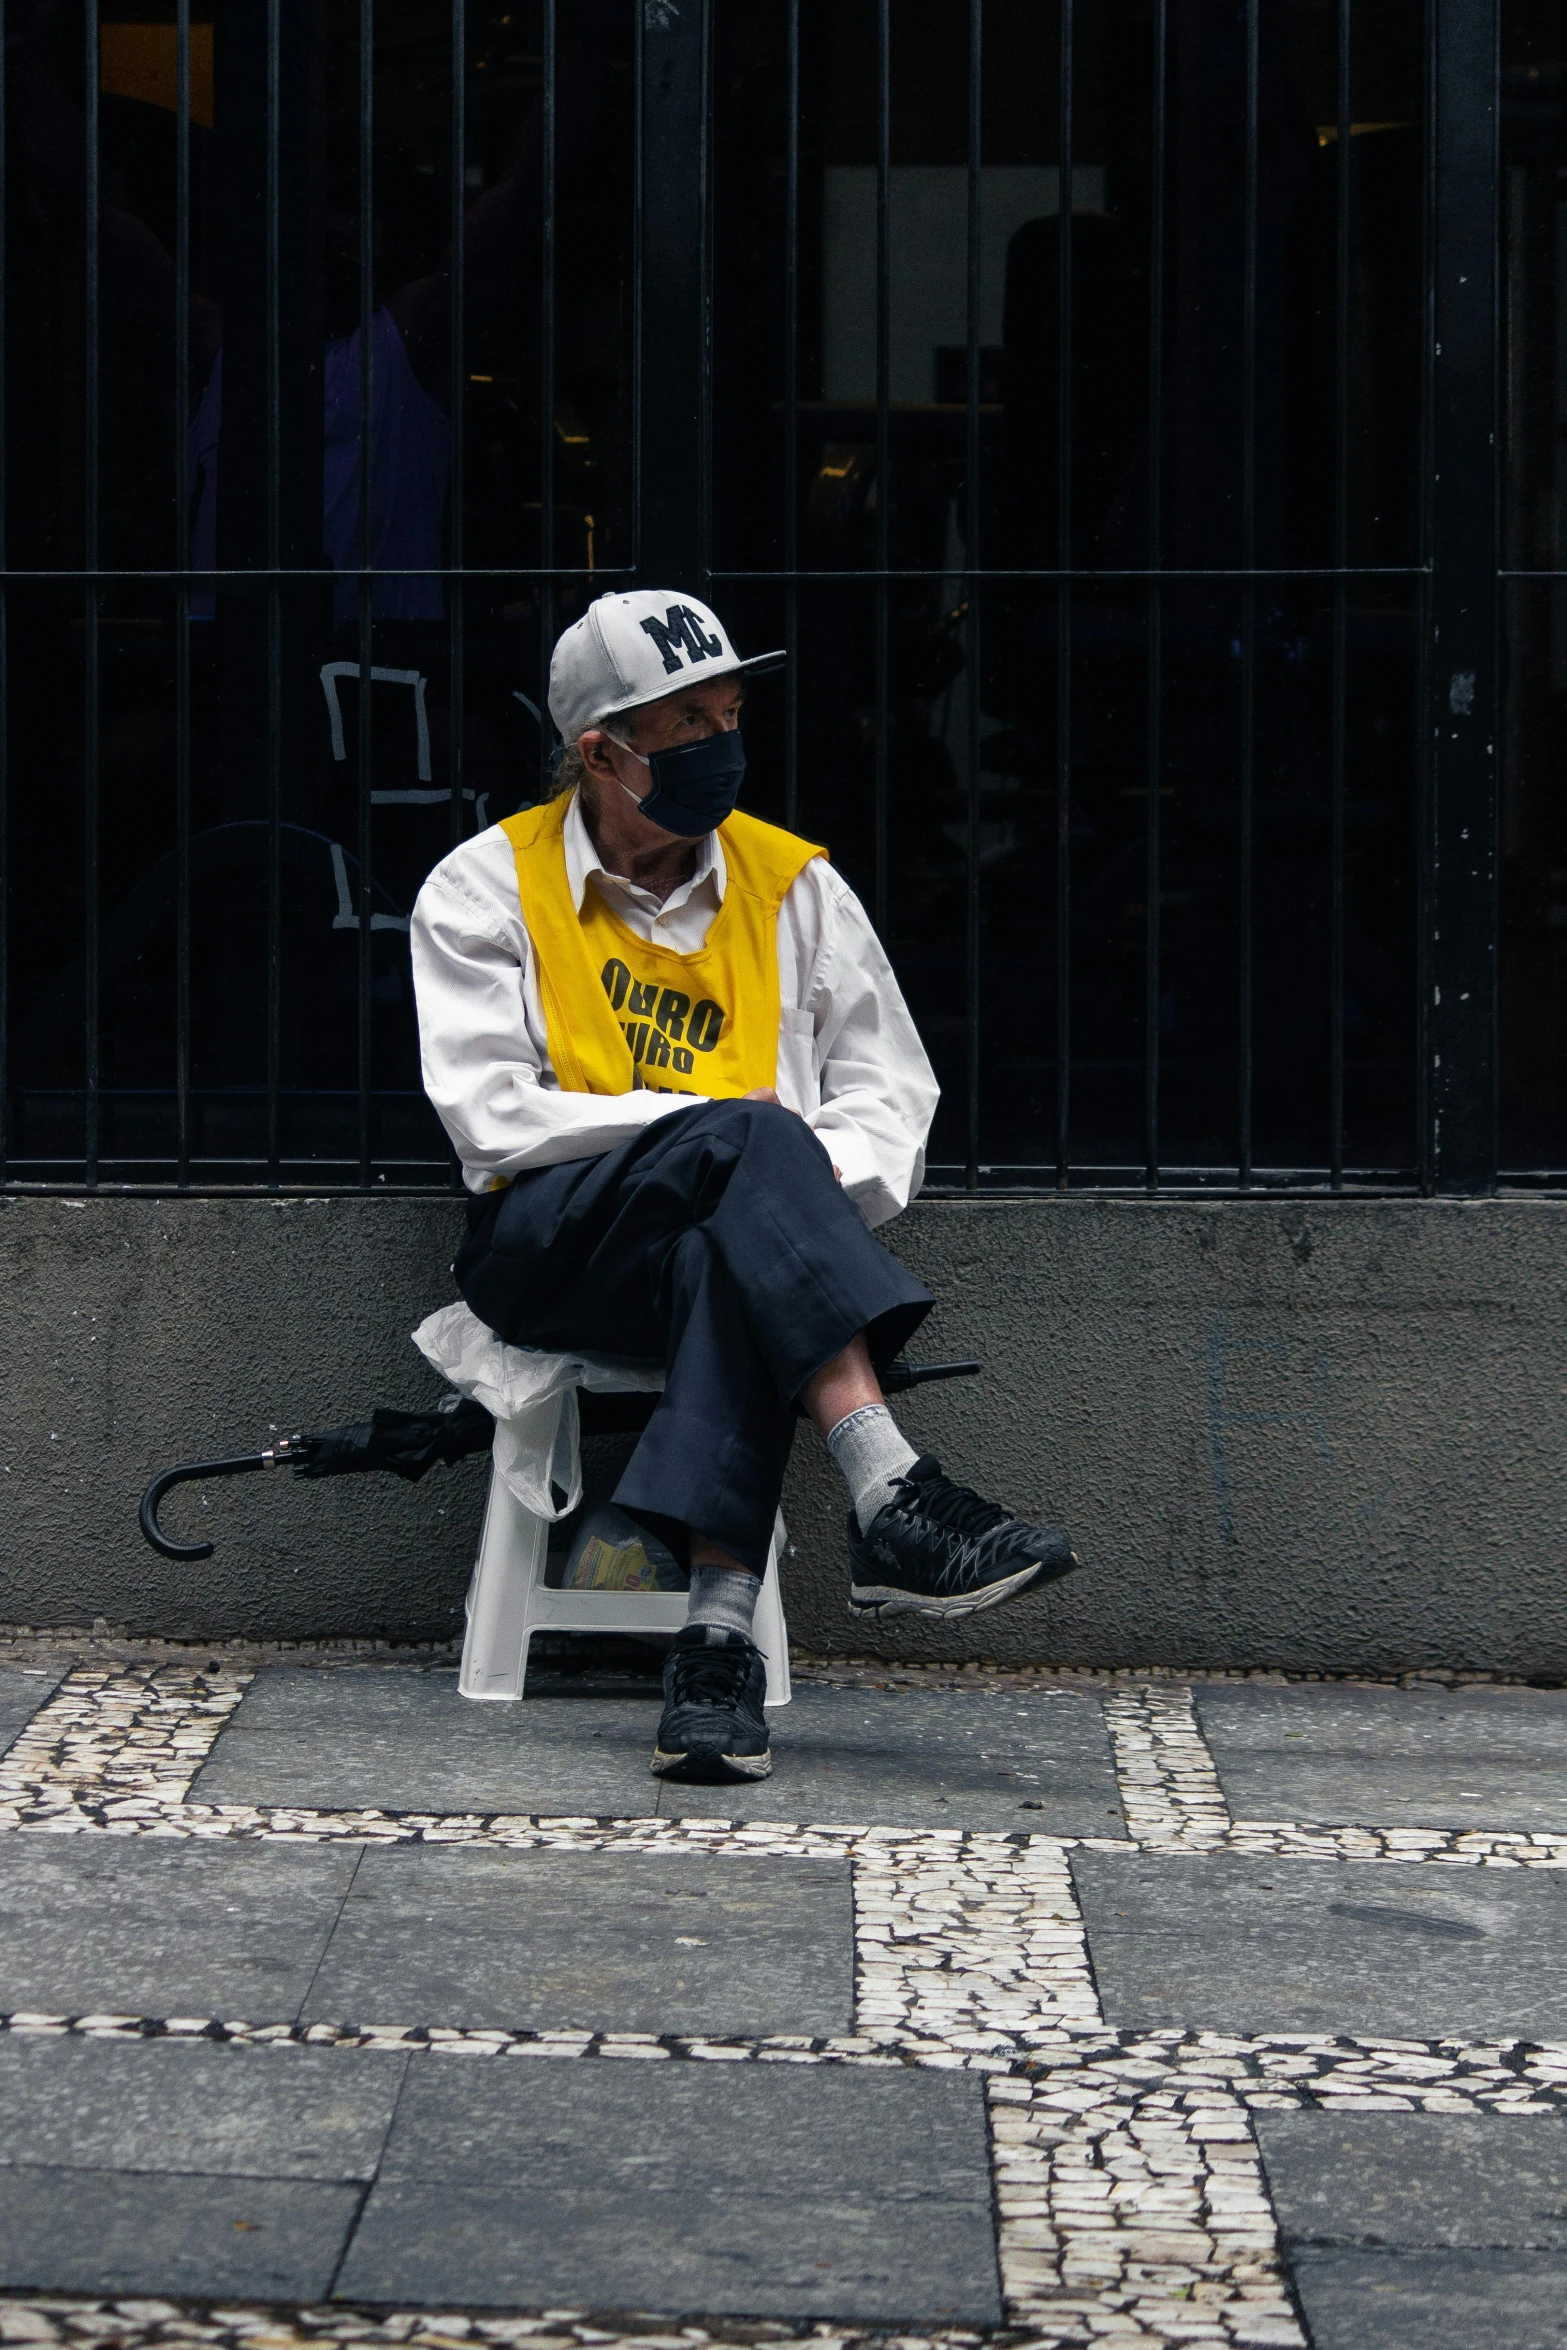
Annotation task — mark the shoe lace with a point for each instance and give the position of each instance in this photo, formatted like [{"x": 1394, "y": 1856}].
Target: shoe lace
[
  {"x": 957, "y": 1507},
  {"x": 708, "y": 1676}
]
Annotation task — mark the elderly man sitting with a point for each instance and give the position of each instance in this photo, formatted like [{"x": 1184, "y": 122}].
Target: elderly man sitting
[{"x": 683, "y": 1084}]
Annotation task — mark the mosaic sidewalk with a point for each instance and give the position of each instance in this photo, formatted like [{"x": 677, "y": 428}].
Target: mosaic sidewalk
[{"x": 1136, "y": 2145}]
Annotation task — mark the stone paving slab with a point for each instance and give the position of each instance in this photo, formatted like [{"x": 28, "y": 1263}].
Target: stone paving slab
[
  {"x": 768, "y": 2190},
  {"x": 593, "y": 1941},
  {"x": 1418, "y": 2181},
  {"x": 22, "y": 1692},
  {"x": 1241, "y": 1945},
  {"x": 139, "y": 1926},
  {"x": 401, "y": 1740},
  {"x": 195, "y": 2106},
  {"x": 1433, "y": 2300},
  {"x": 113, "y": 2231},
  {"x": 1040, "y": 1765},
  {"x": 1427, "y": 1758},
  {"x": 392, "y": 1738}
]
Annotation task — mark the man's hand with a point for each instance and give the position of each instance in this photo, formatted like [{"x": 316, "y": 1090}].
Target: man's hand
[{"x": 767, "y": 1093}]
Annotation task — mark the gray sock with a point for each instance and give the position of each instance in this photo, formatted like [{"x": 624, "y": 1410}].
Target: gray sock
[
  {"x": 724, "y": 1598},
  {"x": 873, "y": 1453}
]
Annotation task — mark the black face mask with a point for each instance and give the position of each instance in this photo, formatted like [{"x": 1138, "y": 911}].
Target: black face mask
[{"x": 694, "y": 786}]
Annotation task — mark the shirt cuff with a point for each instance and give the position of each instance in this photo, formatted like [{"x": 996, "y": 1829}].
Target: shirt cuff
[{"x": 860, "y": 1171}]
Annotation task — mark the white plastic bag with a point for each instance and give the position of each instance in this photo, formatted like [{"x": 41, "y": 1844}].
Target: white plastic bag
[{"x": 532, "y": 1397}]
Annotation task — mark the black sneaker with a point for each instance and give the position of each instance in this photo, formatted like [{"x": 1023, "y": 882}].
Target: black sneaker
[
  {"x": 713, "y": 1727},
  {"x": 939, "y": 1550}
]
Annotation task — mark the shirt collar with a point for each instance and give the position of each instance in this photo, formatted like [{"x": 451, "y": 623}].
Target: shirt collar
[{"x": 584, "y": 864}]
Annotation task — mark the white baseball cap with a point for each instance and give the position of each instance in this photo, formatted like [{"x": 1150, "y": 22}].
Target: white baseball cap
[{"x": 635, "y": 647}]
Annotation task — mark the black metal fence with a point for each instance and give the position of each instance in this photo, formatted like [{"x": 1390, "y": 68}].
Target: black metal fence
[{"x": 1102, "y": 402}]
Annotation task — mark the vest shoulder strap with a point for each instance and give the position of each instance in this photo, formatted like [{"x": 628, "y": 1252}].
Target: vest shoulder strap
[
  {"x": 530, "y": 826},
  {"x": 763, "y": 859}
]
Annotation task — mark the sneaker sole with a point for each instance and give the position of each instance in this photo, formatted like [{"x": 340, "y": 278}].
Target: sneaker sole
[
  {"x": 711, "y": 1769},
  {"x": 884, "y": 1599}
]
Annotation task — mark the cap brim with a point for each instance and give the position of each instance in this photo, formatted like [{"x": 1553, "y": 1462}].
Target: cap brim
[{"x": 757, "y": 666}]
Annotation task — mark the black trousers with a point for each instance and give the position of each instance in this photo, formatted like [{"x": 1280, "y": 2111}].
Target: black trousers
[{"x": 719, "y": 1243}]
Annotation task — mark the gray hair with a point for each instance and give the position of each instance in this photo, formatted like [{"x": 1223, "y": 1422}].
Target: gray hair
[
  {"x": 569, "y": 771},
  {"x": 572, "y": 767}
]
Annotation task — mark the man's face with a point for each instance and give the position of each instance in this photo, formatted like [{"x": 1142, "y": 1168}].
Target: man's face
[{"x": 689, "y": 716}]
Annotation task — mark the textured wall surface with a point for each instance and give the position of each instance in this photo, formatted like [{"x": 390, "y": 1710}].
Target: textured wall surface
[{"x": 1328, "y": 1435}]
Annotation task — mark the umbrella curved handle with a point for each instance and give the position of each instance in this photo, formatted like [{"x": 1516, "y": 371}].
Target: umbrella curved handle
[{"x": 185, "y": 1474}]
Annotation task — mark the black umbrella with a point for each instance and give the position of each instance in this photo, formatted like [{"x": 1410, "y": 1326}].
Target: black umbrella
[{"x": 408, "y": 1444}]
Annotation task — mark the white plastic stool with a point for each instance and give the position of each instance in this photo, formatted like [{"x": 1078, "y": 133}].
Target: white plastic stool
[{"x": 509, "y": 1600}]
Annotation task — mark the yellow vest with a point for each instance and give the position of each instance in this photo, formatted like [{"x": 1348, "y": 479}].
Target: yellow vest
[{"x": 622, "y": 1014}]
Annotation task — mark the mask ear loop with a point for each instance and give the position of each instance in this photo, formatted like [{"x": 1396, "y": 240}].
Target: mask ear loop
[{"x": 636, "y": 798}]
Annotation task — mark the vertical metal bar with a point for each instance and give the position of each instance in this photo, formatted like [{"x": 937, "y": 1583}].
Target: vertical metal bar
[
  {"x": 182, "y": 387},
  {"x": 5, "y": 814},
  {"x": 1425, "y": 607},
  {"x": 274, "y": 400},
  {"x": 1248, "y": 743},
  {"x": 457, "y": 401},
  {"x": 1460, "y": 876},
  {"x": 274, "y": 882},
  {"x": 704, "y": 478},
  {"x": 883, "y": 436},
  {"x": 546, "y": 388},
  {"x": 792, "y": 422},
  {"x": 1336, "y": 883},
  {"x": 458, "y": 330},
  {"x": 366, "y": 934},
  {"x": 1154, "y": 861},
  {"x": 671, "y": 47},
  {"x": 971, "y": 908},
  {"x": 5, "y": 676},
  {"x": 91, "y": 1028},
  {"x": 1064, "y": 619},
  {"x": 639, "y": 230}
]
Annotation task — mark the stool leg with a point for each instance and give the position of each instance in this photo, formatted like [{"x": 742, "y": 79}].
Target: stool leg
[
  {"x": 769, "y": 1630},
  {"x": 501, "y": 1605}
]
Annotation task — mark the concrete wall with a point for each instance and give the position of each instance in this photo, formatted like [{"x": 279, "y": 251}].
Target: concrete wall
[{"x": 1324, "y": 1435}]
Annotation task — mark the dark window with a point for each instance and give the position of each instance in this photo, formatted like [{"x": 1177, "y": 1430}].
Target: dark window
[{"x": 1100, "y": 403}]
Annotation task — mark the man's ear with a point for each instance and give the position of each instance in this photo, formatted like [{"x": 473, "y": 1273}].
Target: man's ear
[{"x": 594, "y": 749}]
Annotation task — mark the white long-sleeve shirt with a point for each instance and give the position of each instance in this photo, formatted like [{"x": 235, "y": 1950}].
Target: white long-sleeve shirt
[{"x": 849, "y": 1057}]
